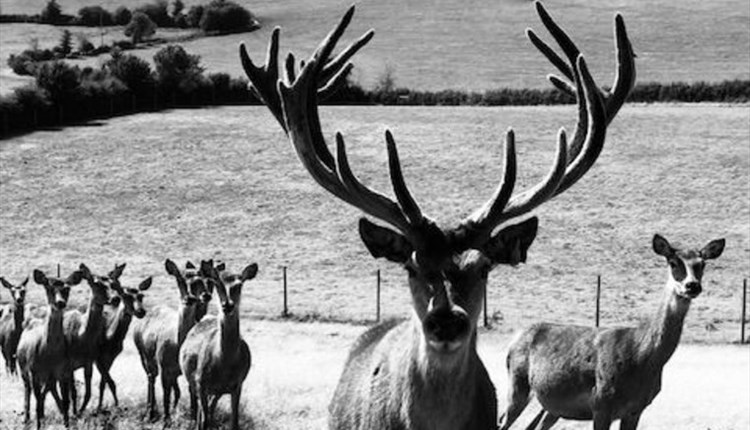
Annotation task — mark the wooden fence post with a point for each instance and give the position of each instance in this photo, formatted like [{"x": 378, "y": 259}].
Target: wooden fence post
[
  {"x": 377, "y": 297},
  {"x": 598, "y": 296},
  {"x": 486, "y": 319},
  {"x": 286, "y": 307},
  {"x": 744, "y": 309}
]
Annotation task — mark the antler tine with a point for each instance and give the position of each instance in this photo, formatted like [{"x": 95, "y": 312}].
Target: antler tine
[
  {"x": 624, "y": 79},
  {"x": 263, "y": 79},
  {"x": 408, "y": 205}
]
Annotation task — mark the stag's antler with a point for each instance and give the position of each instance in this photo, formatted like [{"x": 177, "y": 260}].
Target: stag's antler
[{"x": 294, "y": 104}]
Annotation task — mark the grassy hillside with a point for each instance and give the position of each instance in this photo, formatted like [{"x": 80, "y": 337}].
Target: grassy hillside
[
  {"x": 224, "y": 183},
  {"x": 476, "y": 45}
]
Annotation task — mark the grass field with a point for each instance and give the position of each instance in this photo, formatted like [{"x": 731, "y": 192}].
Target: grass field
[
  {"x": 471, "y": 45},
  {"x": 224, "y": 183}
]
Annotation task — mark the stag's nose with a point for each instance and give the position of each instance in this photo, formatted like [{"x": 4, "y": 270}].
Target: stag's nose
[
  {"x": 446, "y": 326},
  {"x": 693, "y": 288}
]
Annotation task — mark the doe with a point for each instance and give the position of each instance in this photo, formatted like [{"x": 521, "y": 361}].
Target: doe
[
  {"x": 605, "y": 374},
  {"x": 11, "y": 323}
]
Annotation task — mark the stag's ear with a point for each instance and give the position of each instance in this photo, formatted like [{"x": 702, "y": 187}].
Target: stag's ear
[
  {"x": 661, "y": 246},
  {"x": 713, "y": 249},
  {"x": 146, "y": 284},
  {"x": 115, "y": 274},
  {"x": 510, "y": 245},
  {"x": 40, "y": 278},
  {"x": 7, "y": 284},
  {"x": 249, "y": 272},
  {"x": 384, "y": 242}
]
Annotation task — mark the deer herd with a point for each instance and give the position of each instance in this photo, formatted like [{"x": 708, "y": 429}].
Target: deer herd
[{"x": 420, "y": 373}]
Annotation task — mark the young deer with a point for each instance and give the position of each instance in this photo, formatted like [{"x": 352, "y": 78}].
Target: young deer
[
  {"x": 43, "y": 352},
  {"x": 605, "y": 374},
  {"x": 214, "y": 358},
  {"x": 117, "y": 324},
  {"x": 159, "y": 335},
  {"x": 425, "y": 372},
  {"x": 11, "y": 323}
]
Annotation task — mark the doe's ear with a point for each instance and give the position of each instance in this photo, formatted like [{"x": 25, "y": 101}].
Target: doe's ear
[
  {"x": 117, "y": 272},
  {"x": 146, "y": 284},
  {"x": 40, "y": 278},
  {"x": 85, "y": 272},
  {"x": 7, "y": 284},
  {"x": 249, "y": 272},
  {"x": 661, "y": 246},
  {"x": 25, "y": 281},
  {"x": 384, "y": 242},
  {"x": 511, "y": 244},
  {"x": 713, "y": 249},
  {"x": 75, "y": 278},
  {"x": 171, "y": 268}
]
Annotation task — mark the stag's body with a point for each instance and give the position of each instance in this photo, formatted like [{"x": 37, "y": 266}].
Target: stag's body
[
  {"x": 425, "y": 373},
  {"x": 117, "y": 323},
  {"x": 599, "y": 374},
  {"x": 11, "y": 323},
  {"x": 158, "y": 338},
  {"x": 43, "y": 352},
  {"x": 214, "y": 357},
  {"x": 388, "y": 383}
]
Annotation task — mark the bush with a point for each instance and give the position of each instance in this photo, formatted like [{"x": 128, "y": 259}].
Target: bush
[
  {"x": 225, "y": 16},
  {"x": 133, "y": 72},
  {"x": 59, "y": 79},
  {"x": 84, "y": 44},
  {"x": 122, "y": 16},
  {"x": 176, "y": 70},
  {"x": 30, "y": 97},
  {"x": 93, "y": 16},
  {"x": 51, "y": 14},
  {"x": 194, "y": 15},
  {"x": 158, "y": 12},
  {"x": 100, "y": 84},
  {"x": 25, "y": 63},
  {"x": 140, "y": 27}
]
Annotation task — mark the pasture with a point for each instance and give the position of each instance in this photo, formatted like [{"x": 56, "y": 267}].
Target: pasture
[
  {"x": 224, "y": 183},
  {"x": 470, "y": 45}
]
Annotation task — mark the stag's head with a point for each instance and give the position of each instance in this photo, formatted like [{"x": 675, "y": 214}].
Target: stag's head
[
  {"x": 57, "y": 289},
  {"x": 686, "y": 265},
  {"x": 104, "y": 288},
  {"x": 17, "y": 292},
  {"x": 447, "y": 267},
  {"x": 229, "y": 285},
  {"x": 132, "y": 298}
]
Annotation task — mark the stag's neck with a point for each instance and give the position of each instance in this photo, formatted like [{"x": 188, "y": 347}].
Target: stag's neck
[
  {"x": 185, "y": 321},
  {"x": 445, "y": 386},
  {"x": 229, "y": 329},
  {"x": 119, "y": 325},
  {"x": 661, "y": 335}
]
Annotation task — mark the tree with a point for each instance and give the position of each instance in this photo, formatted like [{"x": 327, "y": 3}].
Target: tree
[
  {"x": 177, "y": 7},
  {"x": 93, "y": 16},
  {"x": 122, "y": 16},
  {"x": 177, "y": 70},
  {"x": 134, "y": 72},
  {"x": 66, "y": 43},
  {"x": 226, "y": 16},
  {"x": 59, "y": 79},
  {"x": 52, "y": 13},
  {"x": 140, "y": 27},
  {"x": 194, "y": 15},
  {"x": 158, "y": 12}
]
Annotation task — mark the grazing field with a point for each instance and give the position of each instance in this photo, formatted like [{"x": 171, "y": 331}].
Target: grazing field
[
  {"x": 224, "y": 183},
  {"x": 472, "y": 45}
]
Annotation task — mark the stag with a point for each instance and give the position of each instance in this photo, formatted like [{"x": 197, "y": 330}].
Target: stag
[
  {"x": 160, "y": 334},
  {"x": 605, "y": 374},
  {"x": 214, "y": 357},
  {"x": 43, "y": 352},
  {"x": 84, "y": 332},
  {"x": 425, "y": 372},
  {"x": 11, "y": 323},
  {"x": 117, "y": 325}
]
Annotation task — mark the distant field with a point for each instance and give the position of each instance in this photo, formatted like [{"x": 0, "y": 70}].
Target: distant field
[
  {"x": 224, "y": 183},
  {"x": 473, "y": 45}
]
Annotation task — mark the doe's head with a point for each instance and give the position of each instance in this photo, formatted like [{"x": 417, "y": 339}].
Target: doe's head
[
  {"x": 104, "y": 288},
  {"x": 17, "y": 292},
  {"x": 229, "y": 285},
  {"x": 132, "y": 298},
  {"x": 57, "y": 289},
  {"x": 686, "y": 265}
]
